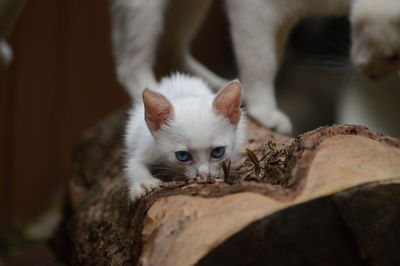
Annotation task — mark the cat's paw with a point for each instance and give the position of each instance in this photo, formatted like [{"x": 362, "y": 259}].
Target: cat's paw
[
  {"x": 140, "y": 189},
  {"x": 271, "y": 118}
]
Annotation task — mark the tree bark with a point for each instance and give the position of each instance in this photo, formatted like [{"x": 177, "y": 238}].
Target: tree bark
[{"x": 328, "y": 197}]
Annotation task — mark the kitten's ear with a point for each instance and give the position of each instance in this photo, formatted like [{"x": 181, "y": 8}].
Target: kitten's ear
[
  {"x": 157, "y": 109},
  {"x": 227, "y": 101}
]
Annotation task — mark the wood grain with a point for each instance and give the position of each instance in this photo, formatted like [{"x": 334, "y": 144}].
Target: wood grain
[{"x": 209, "y": 221}]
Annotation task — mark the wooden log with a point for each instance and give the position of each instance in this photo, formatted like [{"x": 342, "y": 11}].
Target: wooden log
[{"x": 329, "y": 197}]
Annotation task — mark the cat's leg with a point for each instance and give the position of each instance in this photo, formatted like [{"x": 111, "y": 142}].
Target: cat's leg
[
  {"x": 136, "y": 28},
  {"x": 182, "y": 22},
  {"x": 259, "y": 32},
  {"x": 140, "y": 180}
]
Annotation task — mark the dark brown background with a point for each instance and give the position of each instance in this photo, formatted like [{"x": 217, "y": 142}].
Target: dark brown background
[{"x": 60, "y": 82}]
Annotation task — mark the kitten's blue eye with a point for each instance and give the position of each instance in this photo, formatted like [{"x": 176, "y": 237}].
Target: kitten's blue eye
[
  {"x": 218, "y": 152},
  {"x": 183, "y": 156}
]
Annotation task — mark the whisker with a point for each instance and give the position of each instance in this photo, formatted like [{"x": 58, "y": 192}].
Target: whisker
[{"x": 167, "y": 174}]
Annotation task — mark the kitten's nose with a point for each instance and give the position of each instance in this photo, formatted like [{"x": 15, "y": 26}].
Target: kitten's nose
[{"x": 203, "y": 170}]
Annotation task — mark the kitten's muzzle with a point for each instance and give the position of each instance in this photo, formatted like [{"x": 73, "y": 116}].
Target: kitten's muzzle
[{"x": 203, "y": 170}]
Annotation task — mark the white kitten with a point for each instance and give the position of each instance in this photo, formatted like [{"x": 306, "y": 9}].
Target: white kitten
[{"x": 182, "y": 129}]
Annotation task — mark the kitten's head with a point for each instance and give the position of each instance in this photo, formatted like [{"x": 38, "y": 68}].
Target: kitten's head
[
  {"x": 195, "y": 135},
  {"x": 376, "y": 37}
]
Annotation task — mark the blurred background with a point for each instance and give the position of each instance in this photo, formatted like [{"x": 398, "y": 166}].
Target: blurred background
[{"x": 62, "y": 81}]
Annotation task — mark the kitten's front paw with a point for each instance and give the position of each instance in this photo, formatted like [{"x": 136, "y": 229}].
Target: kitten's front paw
[
  {"x": 271, "y": 118},
  {"x": 140, "y": 189}
]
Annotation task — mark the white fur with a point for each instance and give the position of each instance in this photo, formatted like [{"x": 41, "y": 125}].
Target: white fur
[
  {"x": 196, "y": 128},
  {"x": 259, "y": 32},
  {"x": 137, "y": 27},
  {"x": 376, "y": 36}
]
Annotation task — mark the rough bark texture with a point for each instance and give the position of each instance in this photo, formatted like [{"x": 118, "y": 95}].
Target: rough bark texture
[{"x": 328, "y": 197}]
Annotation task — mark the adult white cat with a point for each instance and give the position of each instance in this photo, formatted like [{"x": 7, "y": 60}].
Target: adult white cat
[
  {"x": 259, "y": 31},
  {"x": 181, "y": 129}
]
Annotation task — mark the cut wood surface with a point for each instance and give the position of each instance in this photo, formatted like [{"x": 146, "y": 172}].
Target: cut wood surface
[{"x": 327, "y": 197}]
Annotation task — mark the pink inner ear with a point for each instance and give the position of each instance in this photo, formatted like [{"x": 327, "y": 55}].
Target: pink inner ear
[
  {"x": 227, "y": 101},
  {"x": 157, "y": 109}
]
